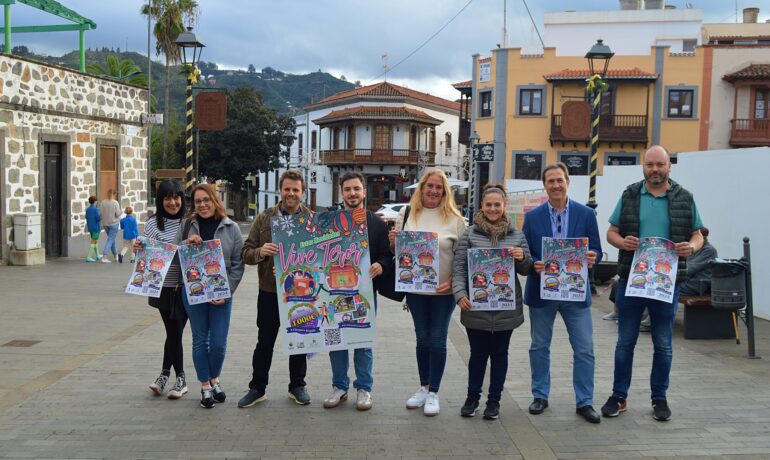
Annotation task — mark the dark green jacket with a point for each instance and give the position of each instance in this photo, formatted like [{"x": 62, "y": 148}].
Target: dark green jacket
[{"x": 680, "y": 216}]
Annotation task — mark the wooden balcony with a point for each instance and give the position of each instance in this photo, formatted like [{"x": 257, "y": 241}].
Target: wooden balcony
[
  {"x": 750, "y": 132},
  {"x": 629, "y": 129},
  {"x": 464, "y": 132},
  {"x": 406, "y": 157}
]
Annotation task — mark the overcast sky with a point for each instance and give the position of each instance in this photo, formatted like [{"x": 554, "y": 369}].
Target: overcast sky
[{"x": 342, "y": 37}]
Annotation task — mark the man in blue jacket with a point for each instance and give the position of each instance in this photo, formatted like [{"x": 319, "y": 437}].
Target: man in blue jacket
[{"x": 560, "y": 217}]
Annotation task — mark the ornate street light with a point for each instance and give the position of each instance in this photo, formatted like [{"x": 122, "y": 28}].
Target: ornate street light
[
  {"x": 598, "y": 61},
  {"x": 190, "y": 49},
  {"x": 288, "y": 140},
  {"x": 474, "y": 139}
]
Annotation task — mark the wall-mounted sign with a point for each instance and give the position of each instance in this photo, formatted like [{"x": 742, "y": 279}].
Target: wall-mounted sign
[
  {"x": 210, "y": 111},
  {"x": 152, "y": 118},
  {"x": 484, "y": 152},
  {"x": 485, "y": 72}
]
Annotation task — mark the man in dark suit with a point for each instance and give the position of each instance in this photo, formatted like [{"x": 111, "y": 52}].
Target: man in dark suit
[{"x": 560, "y": 217}]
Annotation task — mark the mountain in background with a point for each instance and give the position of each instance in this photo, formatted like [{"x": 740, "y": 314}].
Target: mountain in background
[{"x": 286, "y": 93}]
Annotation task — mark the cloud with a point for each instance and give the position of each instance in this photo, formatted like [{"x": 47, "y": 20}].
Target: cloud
[{"x": 346, "y": 36}]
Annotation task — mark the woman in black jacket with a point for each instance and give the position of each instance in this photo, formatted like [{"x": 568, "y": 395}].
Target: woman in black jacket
[{"x": 489, "y": 332}]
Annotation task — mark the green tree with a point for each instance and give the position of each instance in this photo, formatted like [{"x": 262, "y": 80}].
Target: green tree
[
  {"x": 170, "y": 17},
  {"x": 250, "y": 143}
]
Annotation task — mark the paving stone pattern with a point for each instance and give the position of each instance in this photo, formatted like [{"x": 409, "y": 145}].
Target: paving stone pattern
[{"x": 82, "y": 391}]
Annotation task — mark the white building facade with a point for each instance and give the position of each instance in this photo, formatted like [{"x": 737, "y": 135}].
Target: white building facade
[{"x": 387, "y": 132}]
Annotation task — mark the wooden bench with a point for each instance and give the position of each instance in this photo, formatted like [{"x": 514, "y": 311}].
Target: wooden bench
[{"x": 703, "y": 321}]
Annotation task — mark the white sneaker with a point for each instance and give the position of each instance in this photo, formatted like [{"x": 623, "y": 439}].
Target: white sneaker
[
  {"x": 105, "y": 260},
  {"x": 335, "y": 397},
  {"x": 611, "y": 316},
  {"x": 417, "y": 399},
  {"x": 431, "y": 405},
  {"x": 363, "y": 400}
]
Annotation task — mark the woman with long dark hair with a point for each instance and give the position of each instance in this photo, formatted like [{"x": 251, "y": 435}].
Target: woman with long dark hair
[
  {"x": 210, "y": 322},
  {"x": 164, "y": 226}
]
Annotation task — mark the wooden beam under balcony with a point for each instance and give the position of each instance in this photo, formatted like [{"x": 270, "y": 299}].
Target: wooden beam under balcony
[
  {"x": 629, "y": 129},
  {"x": 399, "y": 157},
  {"x": 750, "y": 132}
]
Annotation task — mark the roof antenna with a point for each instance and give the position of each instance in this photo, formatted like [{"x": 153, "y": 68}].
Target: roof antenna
[
  {"x": 384, "y": 58},
  {"x": 505, "y": 23}
]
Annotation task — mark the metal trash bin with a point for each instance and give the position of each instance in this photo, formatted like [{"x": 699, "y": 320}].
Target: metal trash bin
[{"x": 728, "y": 283}]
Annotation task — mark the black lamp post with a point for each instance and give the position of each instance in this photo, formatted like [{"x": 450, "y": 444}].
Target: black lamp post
[
  {"x": 598, "y": 61},
  {"x": 288, "y": 140},
  {"x": 474, "y": 139},
  {"x": 190, "y": 49}
]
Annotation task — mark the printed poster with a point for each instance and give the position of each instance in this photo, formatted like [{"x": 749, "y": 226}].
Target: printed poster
[
  {"x": 203, "y": 272},
  {"x": 150, "y": 268},
  {"x": 492, "y": 279},
  {"x": 653, "y": 270},
  {"x": 325, "y": 293},
  {"x": 565, "y": 276},
  {"x": 417, "y": 262}
]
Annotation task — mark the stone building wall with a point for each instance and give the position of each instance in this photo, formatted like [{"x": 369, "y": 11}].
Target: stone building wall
[{"x": 44, "y": 103}]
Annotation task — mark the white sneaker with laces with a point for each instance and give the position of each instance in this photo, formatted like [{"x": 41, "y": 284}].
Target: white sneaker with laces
[
  {"x": 105, "y": 260},
  {"x": 363, "y": 400},
  {"x": 417, "y": 399},
  {"x": 335, "y": 397},
  {"x": 431, "y": 405}
]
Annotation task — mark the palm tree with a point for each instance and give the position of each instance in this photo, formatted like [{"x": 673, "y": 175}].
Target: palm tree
[
  {"x": 124, "y": 71},
  {"x": 170, "y": 17}
]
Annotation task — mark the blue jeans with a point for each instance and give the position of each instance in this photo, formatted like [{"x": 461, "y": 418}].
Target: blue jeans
[
  {"x": 577, "y": 318},
  {"x": 112, "y": 236},
  {"x": 662, "y": 327},
  {"x": 209, "y": 324},
  {"x": 492, "y": 346},
  {"x": 363, "y": 361},
  {"x": 431, "y": 315}
]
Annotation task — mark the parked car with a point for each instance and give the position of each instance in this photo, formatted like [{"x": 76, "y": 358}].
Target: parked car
[{"x": 389, "y": 212}]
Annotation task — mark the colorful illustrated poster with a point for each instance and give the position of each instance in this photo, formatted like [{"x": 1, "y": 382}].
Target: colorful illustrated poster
[
  {"x": 565, "y": 277},
  {"x": 653, "y": 270},
  {"x": 417, "y": 262},
  {"x": 492, "y": 279},
  {"x": 150, "y": 268},
  {"x": 203, "y": 271},
  {"x": 325, "y": 293}
]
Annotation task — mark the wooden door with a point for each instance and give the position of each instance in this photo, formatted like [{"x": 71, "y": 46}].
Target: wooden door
[
  {"x": 52, "y": 211},
  {"x": 108, "y": 171}
]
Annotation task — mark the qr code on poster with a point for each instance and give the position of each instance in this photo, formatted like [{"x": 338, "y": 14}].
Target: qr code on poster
[{"x": 332, "y": 337}]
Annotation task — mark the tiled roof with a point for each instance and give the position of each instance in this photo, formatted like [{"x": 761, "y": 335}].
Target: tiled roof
[
  {"x": 386, "y": 90},
  {"x": 463, "y": 84},
  {"x": 612, "y": 74},
  {"x": 369, "y": 112},
  {"x": 752, "y": 72}
]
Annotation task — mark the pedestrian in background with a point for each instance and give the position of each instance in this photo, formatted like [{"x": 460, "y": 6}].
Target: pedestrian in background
[
  {"x": 164, "y": 227},
  {"x": 109, "y": 208},
  {"x": 94, "y": 226},
  {"x": 489, "y": 332},
  {"x": 432, "y": 209},
  {"x": 210, "y": 321},
  {"x": 130, "y": 233}
]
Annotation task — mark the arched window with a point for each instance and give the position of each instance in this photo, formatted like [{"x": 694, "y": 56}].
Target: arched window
[{"x": 448, "y": 142}]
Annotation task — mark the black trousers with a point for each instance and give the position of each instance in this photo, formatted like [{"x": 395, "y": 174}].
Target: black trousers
[
  {"x": 174, "y": 322},
  {"x": 268, "y": 324}
]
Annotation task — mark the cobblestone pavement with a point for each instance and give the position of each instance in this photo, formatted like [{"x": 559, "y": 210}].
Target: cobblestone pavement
[{"x": 81, "y": 391}]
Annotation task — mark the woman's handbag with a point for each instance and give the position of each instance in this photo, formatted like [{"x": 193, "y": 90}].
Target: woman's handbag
[{"x": 386, "y": 282}]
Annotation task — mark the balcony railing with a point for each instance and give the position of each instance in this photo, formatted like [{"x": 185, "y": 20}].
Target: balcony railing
[
  {"x": 750, "y": 132},
  {"x": 612, "y": 128},
  {"x": 341, "y": 157}
]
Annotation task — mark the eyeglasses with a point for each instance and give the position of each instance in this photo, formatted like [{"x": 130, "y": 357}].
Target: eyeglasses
[{"x": 202, "y": 201}]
